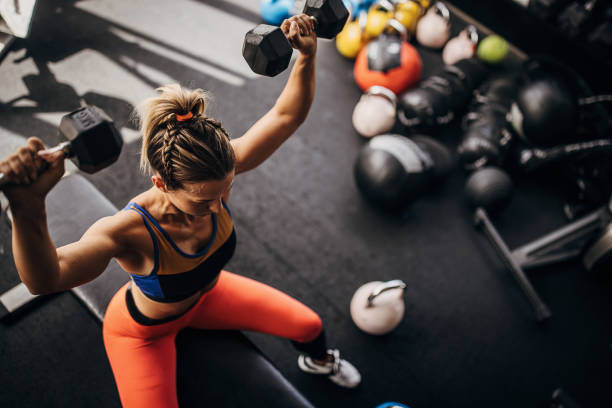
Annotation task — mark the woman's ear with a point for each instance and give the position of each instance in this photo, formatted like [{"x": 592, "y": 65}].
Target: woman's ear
[{"x": 159, "y": 183}]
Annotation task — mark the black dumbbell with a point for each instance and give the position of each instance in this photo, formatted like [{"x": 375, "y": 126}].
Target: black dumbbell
[
  {"x": 267, "y": 50},
  {"x": 92, "y": 141}
]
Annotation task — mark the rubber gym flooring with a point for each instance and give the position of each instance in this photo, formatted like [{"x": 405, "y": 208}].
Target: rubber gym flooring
[{"x": 468, "y": 337}]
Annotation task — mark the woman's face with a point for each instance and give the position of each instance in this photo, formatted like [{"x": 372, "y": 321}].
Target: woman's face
[{"x": 202, "y": 198}]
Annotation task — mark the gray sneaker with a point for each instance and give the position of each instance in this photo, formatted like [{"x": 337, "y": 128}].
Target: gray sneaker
[{"x": 339, "y": 371}]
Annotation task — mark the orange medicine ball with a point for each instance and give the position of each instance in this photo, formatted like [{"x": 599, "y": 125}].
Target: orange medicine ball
[{"x": 396, "y": 79}]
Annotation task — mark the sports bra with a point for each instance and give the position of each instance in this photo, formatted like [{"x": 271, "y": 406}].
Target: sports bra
[{"x": 177, "y": 275}]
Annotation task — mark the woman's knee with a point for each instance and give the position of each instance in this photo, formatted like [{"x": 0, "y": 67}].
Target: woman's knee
[{"x": 311, "y": 326}]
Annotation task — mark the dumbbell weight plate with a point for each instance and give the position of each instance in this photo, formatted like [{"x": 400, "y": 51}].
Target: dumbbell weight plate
[
  {"x": 95, "y": 143},
  {"x": 330, "y": 16},
  {"x": 267, "y": 50},
  {"x": 92, "y": 140}
]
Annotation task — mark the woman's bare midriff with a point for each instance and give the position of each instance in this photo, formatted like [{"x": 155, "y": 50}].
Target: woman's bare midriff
[{"x": 158, "y": 310}]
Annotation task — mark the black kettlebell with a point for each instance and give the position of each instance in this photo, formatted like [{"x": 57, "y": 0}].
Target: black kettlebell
[
  {"x": 441, "y": 96},
  {"x": 487, "y": 136}
]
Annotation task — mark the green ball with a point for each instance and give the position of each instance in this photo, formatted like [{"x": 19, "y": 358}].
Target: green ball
[{"x": 493, "y": 49}]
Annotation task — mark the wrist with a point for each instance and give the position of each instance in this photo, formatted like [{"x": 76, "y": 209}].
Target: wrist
[
  {"x": 28, "y": 208},
  {"x": 308, "y": 56}
]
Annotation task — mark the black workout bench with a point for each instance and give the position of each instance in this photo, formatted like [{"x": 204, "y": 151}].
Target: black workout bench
[{"x": 215, "y": 368}]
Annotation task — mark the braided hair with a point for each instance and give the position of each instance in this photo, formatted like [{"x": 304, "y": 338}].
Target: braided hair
[{"x": 180, "y": 142}]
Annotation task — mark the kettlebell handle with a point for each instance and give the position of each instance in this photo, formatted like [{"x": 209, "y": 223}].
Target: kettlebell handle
[
  {"x": 384, "y": 4},
  {"x": 399, "y": 28},
  {"x": 383, "y": 287},
  {"x": 472, "y": 33},
  {"x": 442, "y": 10},
  {"x": 378, "y": 90},
  {"x": 362, "y": 20}
]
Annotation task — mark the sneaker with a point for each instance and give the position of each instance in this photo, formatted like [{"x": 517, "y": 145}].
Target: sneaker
[{"x": 339, "y": 371}]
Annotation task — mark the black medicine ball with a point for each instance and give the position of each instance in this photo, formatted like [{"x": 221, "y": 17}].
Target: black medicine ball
[
  {"x": 489, "y": 188},
  {"x": 547, "y": 112},
  {"x": 392, "y": 170}
]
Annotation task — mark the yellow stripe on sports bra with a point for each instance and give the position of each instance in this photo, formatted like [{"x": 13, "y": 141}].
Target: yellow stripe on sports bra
[{"x": 171, "y": 260}]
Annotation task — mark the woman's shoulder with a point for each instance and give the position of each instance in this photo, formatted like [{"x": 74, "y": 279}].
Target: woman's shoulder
[
  {"x": 125, "y": 224},
  {"x": 120, "y": 226}
]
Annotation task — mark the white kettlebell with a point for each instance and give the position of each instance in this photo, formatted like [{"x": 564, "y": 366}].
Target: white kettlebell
[
  {"x": 374, "y": 114},
  {"x": 433, "y": 29},
  {"x": 461, "y": 47},
  {"x": 378, "y": 307}
]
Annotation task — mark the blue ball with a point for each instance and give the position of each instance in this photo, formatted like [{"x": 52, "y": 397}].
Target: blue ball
[
  {"x": 275, "y": 11},
  {"x": 357, "y": 6},
  {"x": 392, "y": 405}
]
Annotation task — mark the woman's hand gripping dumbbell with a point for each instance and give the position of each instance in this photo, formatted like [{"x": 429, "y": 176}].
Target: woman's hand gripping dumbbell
[
  {"x": 92, "y": 142},
  {"x": 267, "y": 49}
]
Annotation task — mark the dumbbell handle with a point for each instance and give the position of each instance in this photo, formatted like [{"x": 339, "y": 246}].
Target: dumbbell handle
[
  {"x": 64, "y": 146},
  {"x": 316, "y": 23}
]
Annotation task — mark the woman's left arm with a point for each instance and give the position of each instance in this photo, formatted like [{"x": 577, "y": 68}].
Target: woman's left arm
[{"x": 291, "y": 107}]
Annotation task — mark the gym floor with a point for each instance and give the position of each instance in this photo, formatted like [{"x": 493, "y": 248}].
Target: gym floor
[{"x": 468, "y": 337}]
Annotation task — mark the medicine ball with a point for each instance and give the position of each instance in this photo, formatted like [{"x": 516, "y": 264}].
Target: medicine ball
[
  {"x": 442, "y": 159},
  {"x": 489, "y": 188},
  {"x": 356, "y": 7},
  {"x": 392, "y": 170},
  {"x": 545, "y": 112},
  {"x": 275, "y": 11}
]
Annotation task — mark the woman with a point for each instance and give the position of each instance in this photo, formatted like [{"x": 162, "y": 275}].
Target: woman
[{"x": 175, "y": 238}]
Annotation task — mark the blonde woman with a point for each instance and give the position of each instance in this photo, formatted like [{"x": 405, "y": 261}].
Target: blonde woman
[{"x": 175, "y": 238}]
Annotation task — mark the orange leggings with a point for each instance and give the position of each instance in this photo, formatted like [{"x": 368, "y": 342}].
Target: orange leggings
[{"x": 143, "y": 357}]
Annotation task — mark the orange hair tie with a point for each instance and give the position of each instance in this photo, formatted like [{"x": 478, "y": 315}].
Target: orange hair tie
[{"x": 182, "y": 118}]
